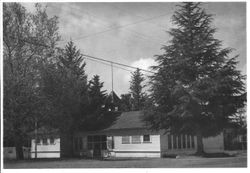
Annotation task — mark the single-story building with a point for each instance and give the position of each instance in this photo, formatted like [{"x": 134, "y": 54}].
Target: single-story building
[
  {"x": 45, "y": 143},
  {"x": 128, "y": 136}
]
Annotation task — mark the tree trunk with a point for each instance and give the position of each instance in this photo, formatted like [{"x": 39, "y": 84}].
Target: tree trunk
[
  {"x": 19, "y": 149},
  {"x": 200, "y": 148}
]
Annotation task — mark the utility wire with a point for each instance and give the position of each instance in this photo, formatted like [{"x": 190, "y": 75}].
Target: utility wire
[
  {"x": 120, "y": 64},
  {"x": 139, "y": 16},
  {"x": 118, "y": 27},
  {"x": 108, "y": 64}
]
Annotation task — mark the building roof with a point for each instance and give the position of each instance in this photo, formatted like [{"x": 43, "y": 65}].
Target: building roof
[{"x": 128, "y": 120}]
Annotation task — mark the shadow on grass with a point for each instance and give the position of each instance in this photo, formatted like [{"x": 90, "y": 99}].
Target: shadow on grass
[{"x": 214, "y": 155}]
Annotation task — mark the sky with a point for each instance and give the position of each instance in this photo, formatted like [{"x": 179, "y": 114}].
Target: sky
[{"x": 133, "y": 33}]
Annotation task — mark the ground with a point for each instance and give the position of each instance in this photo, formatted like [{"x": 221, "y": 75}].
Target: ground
[{"x": 182, "y": 162}]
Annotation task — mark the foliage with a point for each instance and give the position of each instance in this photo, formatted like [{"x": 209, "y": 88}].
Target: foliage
[
  {"x": 126, "y": 102},
  {"x": 28, "y": 41},
  {"x": 96, "y": 95},
  {"x": 136, "y": 90},
  {"x": 197, "y": 86}
]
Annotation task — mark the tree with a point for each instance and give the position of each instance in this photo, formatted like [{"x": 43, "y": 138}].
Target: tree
[
  {"x": 65, "y": 87},
  {"x": 126, "y": 104},
  {"x": 136, "y": 87},
  {"x": 96, "y": 95},
  {"x": 28, "y": 41},
  {"x": 197, "y": 86}
]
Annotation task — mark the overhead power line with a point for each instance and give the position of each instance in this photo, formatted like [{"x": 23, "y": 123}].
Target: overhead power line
[
  {"x": 120, "y": 64},
  {"x": 108, "y": 64},
  {"x": 140, "y": 35}
]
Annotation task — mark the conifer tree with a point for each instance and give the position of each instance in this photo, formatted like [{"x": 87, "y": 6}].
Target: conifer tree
[
  {"x": 136, "y": 90},
  {"x": 96, "y": 95},
  {"x": 197, "y": 86}
]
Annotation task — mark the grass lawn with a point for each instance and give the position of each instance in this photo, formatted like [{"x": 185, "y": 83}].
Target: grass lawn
[{"x": 186, "y": 162}]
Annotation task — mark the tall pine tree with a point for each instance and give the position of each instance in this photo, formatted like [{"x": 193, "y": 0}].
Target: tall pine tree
[
  {"x": 65, "y": 87},
  {"x": 197, "y": 86},
  {"x": 96, "y": 95},
  {"x": 136, "y": 90}
]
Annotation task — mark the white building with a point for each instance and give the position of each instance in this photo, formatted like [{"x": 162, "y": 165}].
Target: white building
[
  {"x": 129, "y": 137},
  {"x": 46, "y": 144}
]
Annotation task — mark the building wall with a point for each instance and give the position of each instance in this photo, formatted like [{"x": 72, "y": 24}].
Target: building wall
[
  {"x": 211, "y": 144},
  {"x": 179, "y": 150},
  {"x": 151, "y": 149},
  {"x": 46, "y": 151},
  {"x": 214, "y": 144}
]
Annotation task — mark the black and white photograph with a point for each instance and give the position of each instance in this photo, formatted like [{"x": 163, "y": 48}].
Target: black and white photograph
[{"x": 123, "y": 85}]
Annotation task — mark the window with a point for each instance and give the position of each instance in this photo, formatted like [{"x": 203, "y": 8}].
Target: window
[
  {"x": 125, "y": 140},
  {"x": 179, "y": 141},
  {"x": 184, "y": 141},
  {"x": 188, "y": 141},
  {"x": 80, "y": 143},
  {"x": 38, "y": 141},
  {"x": 76, "y": 143},
  {"x": 45, "y": 142},
  {"x": 175, "y": 142},
  {"x": 136, "y": 139},
  {"x": 146, "y": 138},
  {"x": 95, "y": 141},
  {"x": 169, "y": 142},
  {"x": 192, "y": 141},
  {"x": 113, "y": 142},
  {"x": 52, "y": 141}
]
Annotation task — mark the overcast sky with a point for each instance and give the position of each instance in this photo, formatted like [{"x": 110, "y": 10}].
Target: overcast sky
[{"x": 132, "y": 33}]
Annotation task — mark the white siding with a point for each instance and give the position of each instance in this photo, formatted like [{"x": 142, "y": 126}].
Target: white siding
[
  {"x": 151, "y": 149},
  {"x": 46, "y": 151}
]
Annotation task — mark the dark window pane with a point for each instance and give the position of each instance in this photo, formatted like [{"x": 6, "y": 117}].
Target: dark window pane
[
  {"x": 179, "y": 141},
  {"x": 96, "y": 138},
  {"x": 104, "y": 145},
  {"x": 169, "y": 142},
  {"x": 80, "y": 143},
  {"x": 188, "y": 141},
  {"x": 90, "y": 146},
  {"x": 146, "y": 138},
  {"x": 175, "y": 143},
  {"x": 184, "y": 141},
  {"x": 90, "y": 138},
  {"x": 192, "y": 140},
  {"x": 113, "y": 142},
  {"x": 76, "y": 143},
  {"x": 45, "y": 142},
  {"x": 51, "y": 140},
  {"x": 38, "y": 141},
  {"x": 104, "y": 138}
]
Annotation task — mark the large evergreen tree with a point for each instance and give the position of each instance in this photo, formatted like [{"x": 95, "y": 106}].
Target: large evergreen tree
[
  {"x": 136, "y": 90},
  {"x": 65, "y": 87},
  {"x": 197, "y": 86}
]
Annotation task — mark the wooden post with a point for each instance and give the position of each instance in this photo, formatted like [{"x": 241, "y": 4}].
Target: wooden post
[
  {"x": 112, "y": 83},
  {"x": 35, "y": 139}
]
